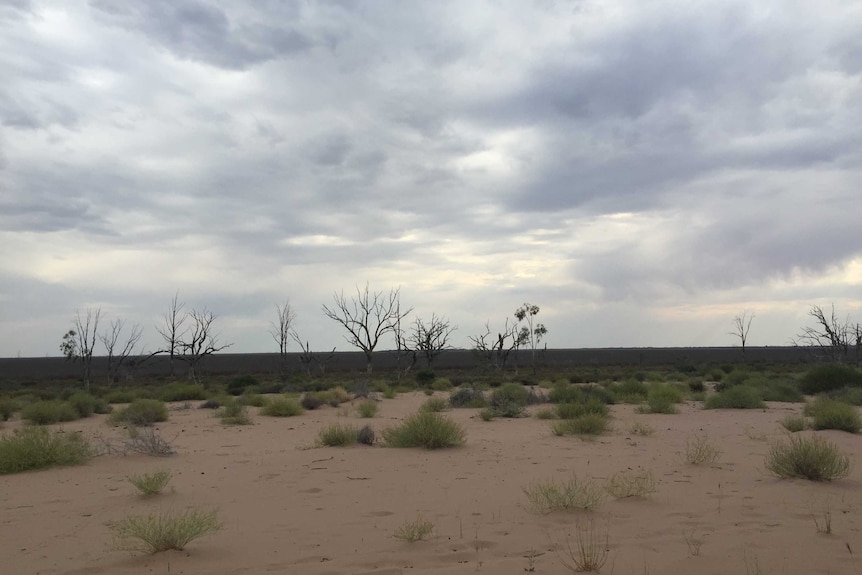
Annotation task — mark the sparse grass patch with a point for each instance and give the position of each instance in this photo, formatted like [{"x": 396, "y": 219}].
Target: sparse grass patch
[
  {"x": 587, "y": 424},
  {"x": 425, "y": 429},
  {"x": 417, "y": 530},
  {"x": 700, "y": 450},
  {"x": 48, "y": 412},
  {"x": 831, "y": 414},
  {"x": 149, "y": 484},
  {"x": 338, "y": 435},
  {"x": 546, "y": 497},
  {"x": 794, "y": 423},
  {"x": 807, "y": 457},
  {"x": 282, "y": 407},
  {"x": 234, "y": 413},
  {"x": 546, "y": 413},
  {"x": 640, "y": 428},
  {"x": 39, "y": 448},
  {"x": 631, "y": 483},
  {"x": 435, "y": 404},
  {"x": 164, "y": 531},
  {"x": 737, "y": 397},
  {"x": 367, "y": 409},
  {"x": 141, "y": 412}
]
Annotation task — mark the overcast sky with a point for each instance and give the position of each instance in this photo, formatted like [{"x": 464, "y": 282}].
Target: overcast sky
[{"x": 643, "y": 171}]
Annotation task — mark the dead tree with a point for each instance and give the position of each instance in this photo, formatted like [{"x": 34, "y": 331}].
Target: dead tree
[
  {"x": 830, "y": 336},
  {"x": 530, "y": 334},
  {"x": 432, "y": 338},
  {"x": 496, "y": 350},
  {"x": 403, "y": 349},
  {"x": 281, "y": 332},
  {"x": 199, "y": 340},
  {"x": 367, "y": 317},
  {"x": 741, "y": 326},
  {"x": 79, "y": 343},
  {"x": 119, "y": 349},
  {"x": 173, "y": 329}
]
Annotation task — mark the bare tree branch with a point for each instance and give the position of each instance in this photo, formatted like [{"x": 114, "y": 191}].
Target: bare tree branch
[
  {"x": 432, "y": 338},
  {"x": 199, "y": 340},
  {"x": 172, "y": 329},
  {"x": 281, "y": 332},
  {"x": 496, "y": 350},
  {"x": 80, "y": 342},
  {"x": 830, "y": 336},
  {"x": 741, "y": 327},
  {"x": 117, "y": 356}
]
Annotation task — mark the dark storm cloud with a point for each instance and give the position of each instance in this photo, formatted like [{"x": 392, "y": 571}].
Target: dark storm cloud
[{"x": 203, "y": 31}]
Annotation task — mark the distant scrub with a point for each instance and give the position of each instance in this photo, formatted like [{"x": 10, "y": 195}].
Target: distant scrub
[
  {"x": 182, "y": 392},
  {"x": 830, "y": 377},
  {"x": 86, "y": 405},
  {"x": 8, "y": 407},
  {"x": 282, "y": 407},
  {"x": 830, "y": 414},
  {"x": 141, "y": 412},
  {"x": 739, "y": 397},
  {"x": 467, "y": 397},
  {"x": 238, "y": 385},
  {"x": 48, "y": 412}
]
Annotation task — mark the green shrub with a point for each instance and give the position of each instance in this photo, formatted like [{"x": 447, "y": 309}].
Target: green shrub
[
  {"x": 338, "y": 435},
  {"x": 513, "y": 393},
  {"x": 738, "y": 397},
  {"x": 467, "y": 397},
  {"x": 794, "y": 423},
  {"x": 150, "y": 484},
  {"x": 234, "y": 413},
  {"x": 367, "y": 409},
  {"x": 238, "y": 385},
  {"x": 587, "y": 424},
  {"x": 546, "y": 413},
  {"x": 488, "y": 414},
  {"x": 120, "y": 396},
  {"x": 441, "y": 384},
  {"x": 251, "y": 398},
  {"x": 50, "y": 411},
  {"x": 667, "y": 391},
  {"x": 831, "y": 414},
  {"x": 141, "y": 412},
  {"x": 8, "y": 407},
  {"x": 829, "y": 378},
  {"x": 435, "y": 404},
  {"x": 807, "y": 457},
  {"x": 782, "y": 390},
  {"x": 282, "y": 407},
  {"x": 660, "y": 399},
  {"x": 165, "y": 531},
  {"x": 575, "y": 410},
  {"x": 86, "y": 405},
  {"x": 851, "y": 395},
  {"x": 425, "y": 429},
  {"x": 33, "y": 448},
  {"x": 425, "y": 376},
  {"x": 732, "y": 379},
  {"x": 389, "y": 393},
  {"x": 565, "y": 393},
  {"x": 629, "y": 391},
  {"x": 182, "y": 392}
]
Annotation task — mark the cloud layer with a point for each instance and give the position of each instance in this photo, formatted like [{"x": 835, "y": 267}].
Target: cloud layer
[{"x": 642, "y": 171}]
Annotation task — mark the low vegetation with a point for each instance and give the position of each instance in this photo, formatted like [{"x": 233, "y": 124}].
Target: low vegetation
[
  {"x": 234, "y": 413},
  {"x": 794, "y": 423},
  {"x": 417, "y": 530},
  {"x": 573, "y": 493},
  {"x": 338, "y": 435},
  {"x": 164, "y": 531},
  {"x": 141, "y": 412},
  {"x": 700, "y": 450},
  {"x": 48, "y": 412},
  {"x": 829, "y": 377},
  {"x": 282, "y": 407},
  {"x": 831, "y": 414},
  {"x": 468, "y": 397},
  {"x": 34, "y": 448},
  {"x": 807, "y": 457},
  {"x": 631, "y": 483},
  {"x": 425, "y": 429},
  {"x": 435, "y": 404},
  {"x": 367, "y": 409},
  {"x": 590, "y": 551},
  {"x": 738, "y": 397},
  {"x": 587, "y": 424},
  {"x": 149, "y": 484}
]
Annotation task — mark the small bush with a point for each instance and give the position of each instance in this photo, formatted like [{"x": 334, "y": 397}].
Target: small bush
[
  {"x": 546, "y": 413},
  {"x": 48, "y": 412},
  {"x": 549, "y": 496},
  {"x": 340, "y": 395},
  {"x": 389, "y": 393},
  {"x": 311, "y": 401},
  {"x": 367, "y": 409},
  {"x": 699, "y": 450},
  {"x": 182, "y": 392},
  {"x": 738, "y": 397},
  {"x": 587, "y": 424},
  {"x": 435, "y": 404},
  {"x": 282, "y": 407},
  {"x": 366, "y": 436},
  {"x": 807, "y": 457},
  {"x": 794, "y": 423},
  {"x": 8, "y": 407},
  {"x": 120, "y": 396},
  {"x": 851, "y": 395},
  {"x": 34, "y": 448},
  {"x": 467, "y": 397},
  {"x": 338, "y": 435},
  {"x": 441, "y": 384},
  {"x": 86, "y": 405},
  {"x": 659, "y": 401},
  {"x": 510, "y": 393},
  {"x": 639, "y": 428},
  {"x": 238, "y": 385},
  {"x": 565, "y": 393},
  {"x": 488, "y": 414},
  {"x": 425, "y": 376},
  {"x": 831, "y": 414},
  {"x": 625, "y": 484},
  {"x": 416, "y": 530},
  {"x": 141, "y": 412},
  {"x": 732, "y": 379},
  {"x": 629, "y": 391},
  {"x": 575, "y": 410},
  {"x": 234, "y": 413},
  {"x": 251, "y": 398},
  {"x": 164, "y": 532},
  {"x": 830, "y": 377},
  {"x": 425, "y": 429},
  {"x": 150, "y": 484}
]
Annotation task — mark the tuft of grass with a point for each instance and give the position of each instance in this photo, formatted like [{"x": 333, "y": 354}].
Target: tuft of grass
[
  {"x": 417, "y": 530},
  {"x": 642, "y": 429},
  {"x": 832, "y": 414},
  {"x": 590, "y": 552},
  {"x": 699, "y": 450},
  {"x": 435, "y": 404},
  {"x": 150, "y": 484},
  {"x": 546, "y": 413},
  {"x": 164, "y": 531},
  {"x": 8, "y": 407},
  {"x": 510, "y": 393},
  {"x": 488, "y": 414},
  {"x": 572, "y": 410},
  {"x": 546, "y": 497},
  {"x": 425, "y": 429},
  {"x": 794, "y": 423},
  {"x": 86, "y": 404},
  {"x": 234, "y": 413},
  {"x": 807, "y": 457},
  {"x": 467, "y": 397},
  {"x": 141, "y": 412},
  {"x": 389, "y": 393},
  {"x": 338, "y": 435},
  {"x": 282, "y": 407},
  {"x": 587, "y": 424},
  {"x": 39, "y": 448},
  {"x": 251, "y": 398},
  {"x": 738, "y": 397},
  {"x": 631, "y": 483},
  {"x": 367, "y": 409},
  {"x": 48, "y": 412}
]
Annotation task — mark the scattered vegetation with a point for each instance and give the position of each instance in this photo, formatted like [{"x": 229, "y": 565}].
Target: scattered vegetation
[
  {"x": 338, "y": 435},
  {"x": 831, "y": 414},
  {"x": 34, "y": 448},
  {"x": 234, "y": 413},
  {"x": 86, "y": 404},
  {"x": 830, "y": 377},
  {"x": 425, "y": 429},
  {"x": 794, "y": 423},
  {"x": 182, "y": 392},
  {"x": 738, "y": 397},
  {"x": 435, "y": 404},
  {"x": 367, "y": 409},
  {"x": 468, "y": 397},
  {"x": 700, "y": 450},
  {"x": 165, "y": 531},
  {"x": 417, "y": 530},
  {"x": 549, "y": 496},
  {"x": 149, "y": 484},
  {"x": 642, "y": 429},
  {"x": 587, "y": 424},
  {"x": 48, "y": 412},
  {"x": 807, "y": 457},
  {"x": 141, "y": 412},
  {"x": 631, "y": 483},
  {"x": 8, "y": 407},
  {"x": 282, "y": 407}
]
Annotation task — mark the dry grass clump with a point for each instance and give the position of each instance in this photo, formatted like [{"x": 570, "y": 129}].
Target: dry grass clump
[
  {"x": 282, "y": 407},
  {"x": 149, "y": 484},
  {"x": 631, "y": 483},
  {"x": 164, "y": 531},
  {"x": 141, "y": 412},
  {"x": 33, "y": 448},
  {"x": 807, "y": 457},
  {"x": 417, "y": 530},
  {"x": 426, "y": 429},
  {"x": 699, "y": 450},
  {"x": 234, "y": 413},
  {"x": 587, "y": 424},
  {"x": 367, "y": 409},
  {"x": 436, "y": 405},
  {"x": 641, "y": 428},
  {"x": 590, "y": 551},
  {"x": 794, "y": 423},
  {"x": 548, "y": 496},
  {"x": 338, "y": 435}
]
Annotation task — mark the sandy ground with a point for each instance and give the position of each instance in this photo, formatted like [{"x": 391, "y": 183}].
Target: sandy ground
[{"x": 289, "y": 509}]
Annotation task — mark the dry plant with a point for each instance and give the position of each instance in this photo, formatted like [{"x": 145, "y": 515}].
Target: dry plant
[
  {"x": 821, "y": 513},
  {"x": 417, "y": 530},
  {"x": 570, "y": 494},
  {"x": 640, "y": 428},
  {"x": 693, "y": 541},
  {"x": 589, "y": 553},
  {"x": 165, "y": 531},
  {"x": 146, "y": 440},
  {"x": 631, "y": 483},
  {"x": 699, "y": 450},
  {"x": 150, "y": 484}
]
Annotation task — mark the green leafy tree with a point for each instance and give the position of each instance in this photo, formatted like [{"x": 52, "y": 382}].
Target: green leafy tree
[{"x": 532, "y": 333}]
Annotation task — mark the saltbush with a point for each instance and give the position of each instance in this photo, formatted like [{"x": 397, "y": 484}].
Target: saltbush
[
  {"x": 86, "y": 405},
  {"x": 467, "y": 397},
  {"x": 33, "y": 448},
  {"x": 282, "y": 407},
  {"x": 47, "y": 412},
  {"x": 141, "y": 412},
  {"x": 808, "y": 457},
  {"x": 738, "y": 397},
  {"x": 507, "y": 393},
  {"x": 426, "y": 429},
  {"x": 830, "y": 414}
]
